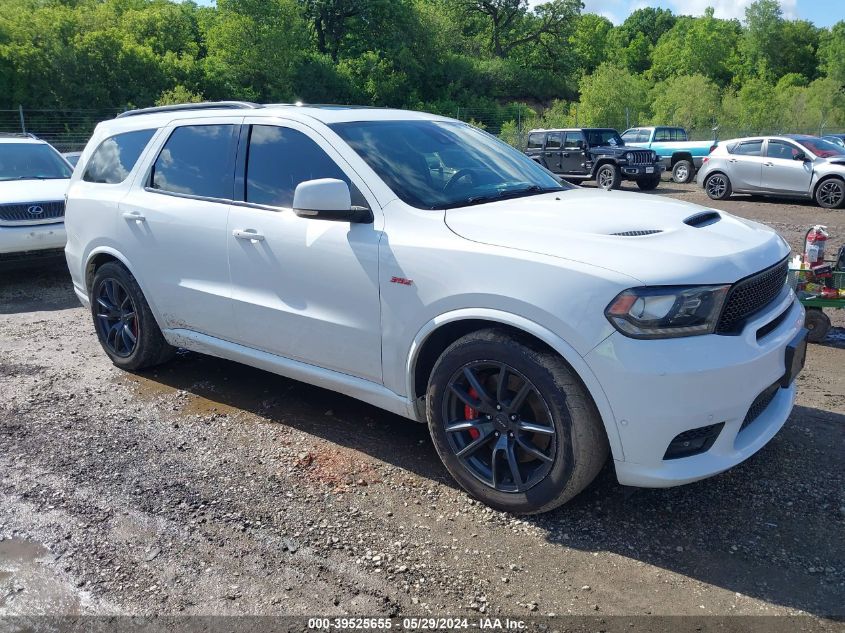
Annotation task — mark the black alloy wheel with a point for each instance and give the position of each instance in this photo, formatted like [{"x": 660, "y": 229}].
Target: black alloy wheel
[
  {"x": 117, "y": 319},
  {"x": 499, "y": 426}
]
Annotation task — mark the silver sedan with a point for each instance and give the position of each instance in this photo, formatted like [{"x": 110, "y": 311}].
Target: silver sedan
[{"x": 791, "y": 166}]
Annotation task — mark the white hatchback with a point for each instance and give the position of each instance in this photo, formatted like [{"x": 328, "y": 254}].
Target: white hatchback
[
  {"x": 422, "y": 265},
  {"x": 33, "y": 181}
]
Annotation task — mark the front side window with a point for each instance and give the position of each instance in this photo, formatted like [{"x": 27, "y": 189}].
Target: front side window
[
  {"x": 31, "y": 161},
  {"x": 574, "y": 140},
  {"x": 197, "y": 160},
  {"x": 779, "y": 149},
  {"x": 280, "y": 158},
  {"x": 598, "y": 138},
  {"x": 115, "y": 157},
  {"x": 749, "y": 148},
  {"x": 476, "y": 166}
]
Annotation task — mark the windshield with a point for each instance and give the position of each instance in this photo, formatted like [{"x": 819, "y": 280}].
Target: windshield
[
  {"x": 597, "y": 138},
  {"x": 821, "y": 147},
  {"x": 31, "y": 161},
  {"x": 441, "y": 164}
]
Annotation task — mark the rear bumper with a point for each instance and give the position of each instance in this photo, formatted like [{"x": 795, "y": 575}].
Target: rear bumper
[
  {"x": 35, "y": 237},
  {"x": 661, "y": 388}
]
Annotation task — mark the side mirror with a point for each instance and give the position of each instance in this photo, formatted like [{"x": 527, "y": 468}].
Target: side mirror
[
  {"x": 800, "y": 156},
  {"x": 327, "y": 199}
]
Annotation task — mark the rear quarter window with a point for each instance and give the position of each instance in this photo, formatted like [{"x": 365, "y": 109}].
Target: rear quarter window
[
  {"x": 535, "y": 140},
  {"x": 116, "y": 156}
]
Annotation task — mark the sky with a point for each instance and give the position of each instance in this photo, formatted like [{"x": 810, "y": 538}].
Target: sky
[{"x": 820, "y": 12}]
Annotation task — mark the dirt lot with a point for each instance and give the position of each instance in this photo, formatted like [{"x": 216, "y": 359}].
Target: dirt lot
[{"x": 211, "y": 488}]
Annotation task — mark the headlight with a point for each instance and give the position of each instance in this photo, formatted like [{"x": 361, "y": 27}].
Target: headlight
[{"x": 667, "y": 311}]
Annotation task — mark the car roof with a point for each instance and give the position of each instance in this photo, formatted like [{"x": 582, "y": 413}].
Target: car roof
[{"x": 327, "y": 114}]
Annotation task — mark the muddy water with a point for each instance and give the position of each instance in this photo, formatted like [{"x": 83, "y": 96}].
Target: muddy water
[{"x": 28, "y": 585}]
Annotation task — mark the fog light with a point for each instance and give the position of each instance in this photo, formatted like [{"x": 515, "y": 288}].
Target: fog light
[{"x": 694, "y": 441}]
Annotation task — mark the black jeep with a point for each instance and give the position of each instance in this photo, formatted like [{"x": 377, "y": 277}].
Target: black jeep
[{"x": 594, "y": 154}]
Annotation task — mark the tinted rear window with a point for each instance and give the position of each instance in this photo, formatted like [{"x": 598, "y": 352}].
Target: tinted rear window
[
  {"x": 197, "y": 160},
  {"x": 535, "y": 140},
  {"x": 115, "y": 157},
  {"x": 748, "y": 148}
]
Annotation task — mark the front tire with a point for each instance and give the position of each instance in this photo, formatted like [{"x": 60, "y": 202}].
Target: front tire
[
  {"x": 718, "y": 186},
  {"x": 124, "y": 322},
  {"x": 818, "y": 324},
  {"x": 513, "y": 424},
  {"x": 608, "y": 177},
  {"x": 682, "y": 172},
  {"x": 648, "y": 184},
  {"x": 830, "y": 194}
]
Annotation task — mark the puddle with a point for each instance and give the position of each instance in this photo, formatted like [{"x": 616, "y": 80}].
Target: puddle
[{"x": 28, "y": 586}]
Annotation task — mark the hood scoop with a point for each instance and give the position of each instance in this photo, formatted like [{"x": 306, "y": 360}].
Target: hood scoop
[
  {"x": 700, "y": 220},
  {"x": 639, "y": 233}
]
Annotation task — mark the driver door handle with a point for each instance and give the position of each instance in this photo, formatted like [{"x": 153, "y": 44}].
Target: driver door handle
[
  {"x": 134, "y": 215},
  {"x": 248, "y": 234},
  {"x": 769, "y": 164}
]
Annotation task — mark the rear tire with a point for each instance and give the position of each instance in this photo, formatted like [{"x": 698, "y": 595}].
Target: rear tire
[
  {"x": 683, "y": 172},
  {"x": 564, "y": 424},
  {"x": 818, "y": 323},
  {"x": 718, "y": 186},
  {"x": 648, "y": 184},
  {"x": 608, "y": 177},
  {"x": 125, "y": 325},
  {"x": 830, "y": 194}
]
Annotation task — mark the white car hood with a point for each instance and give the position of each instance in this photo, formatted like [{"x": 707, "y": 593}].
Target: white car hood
[
  {"x": 21, "y": 191},
  {"x": 578, "y": 225}
]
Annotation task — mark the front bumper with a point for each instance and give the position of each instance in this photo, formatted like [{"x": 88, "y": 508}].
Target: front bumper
[
  {"x": 33, "y": 237},
  {"x": 661, "y": 388},
  {"x": 638, "y": 171}
]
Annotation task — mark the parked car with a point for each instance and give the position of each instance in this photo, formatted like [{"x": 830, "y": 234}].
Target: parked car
[
  {"x": 33, "y": 181},
  {"x": 599, "y": 154},
  {"x": 678, "y": 154},
  {"x": 72, "y": 157},
  {"x": 422, "y": 265},
  {"x": 791, "y": 166},
  {"x": 836, "y": 139}
]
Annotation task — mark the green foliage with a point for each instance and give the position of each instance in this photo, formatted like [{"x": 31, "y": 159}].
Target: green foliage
[
  {"x": 484, "y": 60},
  {"x": 613, "y": 97}
]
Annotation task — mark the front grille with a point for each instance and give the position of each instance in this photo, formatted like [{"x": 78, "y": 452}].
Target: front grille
[
  {"x": 760, "y": 404},
  {"x": 28, "y": 211},
  {"x": 750, "y": 295},
  {"x": 639, "y": 158}
]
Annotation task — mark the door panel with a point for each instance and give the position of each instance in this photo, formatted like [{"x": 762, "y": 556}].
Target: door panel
[
  {"x": 176, "y": 244},
  {"x": 573, "y": 153},
  {"x": 553, "y": 152},
  {"x": 746, "y": 165},
  {"x": 304, "y": 289},
  {"x": 782, "y": 173}
]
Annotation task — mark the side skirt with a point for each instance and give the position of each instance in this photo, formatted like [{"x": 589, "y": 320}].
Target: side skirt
[{"x": 365, "y": 390}]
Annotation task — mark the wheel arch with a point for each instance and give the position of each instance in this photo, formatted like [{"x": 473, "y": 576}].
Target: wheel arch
[
  {"x": 601, "y": 162},
  {"x": 824, "y": 179},
  {"x": 444, "y": 330},
  {"x": 104, "y": 254},
  {"x": 679, "y": 156}
]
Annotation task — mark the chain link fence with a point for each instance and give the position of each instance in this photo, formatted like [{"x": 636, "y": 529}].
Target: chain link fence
[{"x": 68, "y": 130}]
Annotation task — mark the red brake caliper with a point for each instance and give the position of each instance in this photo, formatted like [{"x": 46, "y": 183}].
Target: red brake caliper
[{"x": 471, "y": 414}]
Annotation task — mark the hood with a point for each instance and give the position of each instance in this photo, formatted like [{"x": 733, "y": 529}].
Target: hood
[
  {"x": 611, "y": 149},
  {"x": 605, "y": 229},
  {"x": 21, "y": 191}
]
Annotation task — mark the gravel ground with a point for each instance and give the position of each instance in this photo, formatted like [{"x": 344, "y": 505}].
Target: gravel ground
[{"x": 207, "y": 487}]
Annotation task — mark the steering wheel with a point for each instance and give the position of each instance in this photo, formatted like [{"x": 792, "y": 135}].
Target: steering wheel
[{"x": 461, "y": 173}]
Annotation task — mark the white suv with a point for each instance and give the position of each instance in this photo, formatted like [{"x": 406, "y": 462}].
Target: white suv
[
  {"x": 422, "y": 265},
  {"x": 33, "y": 181}
]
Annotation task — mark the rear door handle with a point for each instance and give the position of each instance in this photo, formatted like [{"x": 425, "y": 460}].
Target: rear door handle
[
  {"x": 732, "y": 160},
  {"x": 769, "y": 164},
  {"x": 248, "y": 234},
  {"x": 134, "y": 215}
]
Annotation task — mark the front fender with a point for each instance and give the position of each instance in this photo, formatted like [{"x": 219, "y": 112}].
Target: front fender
[{"x": 567, "y": 352}]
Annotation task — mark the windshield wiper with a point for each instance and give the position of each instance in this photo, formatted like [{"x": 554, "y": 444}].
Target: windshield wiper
[{"x": 509, "y": 193}]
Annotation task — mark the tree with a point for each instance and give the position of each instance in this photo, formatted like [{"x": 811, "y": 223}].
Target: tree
[
  {"x": 589, "y": 42},
  {"x": 511, "y": 25},
  {"x": 762, "y": 40},
  {"x": 691, "y": 101},
  {"x": 704, "y": 46},
  {"x": 613, "y": 97},
  {"x": 832, "y": 53}
]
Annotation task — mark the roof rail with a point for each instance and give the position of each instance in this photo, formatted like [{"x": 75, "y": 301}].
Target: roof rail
[
  {"x": 207, "y": 105},
  {"x": 18, "y": 135}
]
